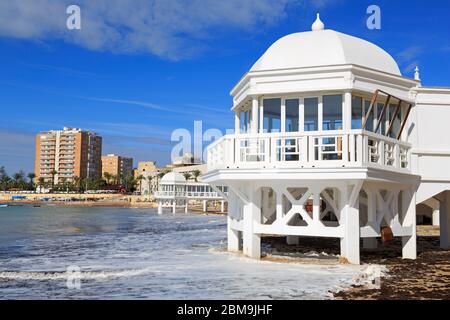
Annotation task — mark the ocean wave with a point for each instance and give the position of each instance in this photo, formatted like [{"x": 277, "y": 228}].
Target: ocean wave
[{"x": 63, "y": 275}]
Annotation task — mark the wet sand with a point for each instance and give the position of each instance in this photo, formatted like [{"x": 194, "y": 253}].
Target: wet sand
[{"x": 428, "y": 277}]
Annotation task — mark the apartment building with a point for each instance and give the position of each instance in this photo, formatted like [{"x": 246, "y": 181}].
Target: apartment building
[
  {"x": 117, "y": 165},
  {"x": 62, "y": 155}
]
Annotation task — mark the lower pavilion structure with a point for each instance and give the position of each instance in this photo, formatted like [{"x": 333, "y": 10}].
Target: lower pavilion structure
[{"x": 332, "y": 141}]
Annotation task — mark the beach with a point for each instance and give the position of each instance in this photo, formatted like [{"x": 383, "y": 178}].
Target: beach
[{"x": 428, "y": 277}]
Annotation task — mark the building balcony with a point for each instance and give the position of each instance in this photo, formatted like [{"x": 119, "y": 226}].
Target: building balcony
[
  {"x": 303, "y": 150},
  {"x": 186, "y": 194}
]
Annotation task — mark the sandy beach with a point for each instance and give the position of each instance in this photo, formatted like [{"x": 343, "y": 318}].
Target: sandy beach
[{"x": 428, "y": 277}]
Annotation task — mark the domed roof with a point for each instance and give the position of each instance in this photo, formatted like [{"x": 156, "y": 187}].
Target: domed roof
[
  {"x": 173, "y": 178},
  {"x": 324, "y": 48}
]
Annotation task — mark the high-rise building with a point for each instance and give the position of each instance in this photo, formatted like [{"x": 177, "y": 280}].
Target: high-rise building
[
  {"x": 117, "y": 165},
  {"x": 62, "y": 155}
]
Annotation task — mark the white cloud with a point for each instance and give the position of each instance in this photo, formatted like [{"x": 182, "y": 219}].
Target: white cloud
[{"x": 172, "y": 29}]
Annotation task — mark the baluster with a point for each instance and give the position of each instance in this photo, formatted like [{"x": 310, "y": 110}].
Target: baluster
[
  {"x": 397, "y": 156},
  {"x": 352, "y": 147},
  {"x": 345, "y": 147},
  {"x": 303, "y": 148},
  {"x": 381, "y": 153},
  {"x": 311, "y": 147}
]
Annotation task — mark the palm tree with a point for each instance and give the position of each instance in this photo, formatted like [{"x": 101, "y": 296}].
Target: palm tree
[
  {"x": 149, "y": 179},
  {"x": 4, "y": 179},
  {"x": 108, "y": 176},
  {"x": 31, "y": 176},
  {"x": 139, "y": 179},
  {"x": 19, "y": 179},
  {"x": 77, "y": 183},
  {"x": 187, "y": 176},
  {"x": 161, "y": 175},
  {"x": 53, "y": 173},
  {"x": 196, "y": 174}
]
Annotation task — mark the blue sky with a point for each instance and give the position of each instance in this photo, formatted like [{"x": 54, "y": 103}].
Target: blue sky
[{"x": 138, "y": 69}]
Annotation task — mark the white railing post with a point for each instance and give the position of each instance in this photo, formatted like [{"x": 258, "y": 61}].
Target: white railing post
[
  {"x": 345, "y": 147},
  {"x": 303, "y": 148},
  {"x": 381, "y": 153},
  {"x": 273, "y": 150},
  {"x": 352, "y": 147},
  {"x": 359, "y": 149},
  {"x": 311, "y": 153},
  {"x": 237, "y": 151},
  {"x": 397, "y": 158}
]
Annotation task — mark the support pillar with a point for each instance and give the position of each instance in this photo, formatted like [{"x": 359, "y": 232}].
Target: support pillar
[
  {"x": 409, "y": 243},
  {"x": 174, "y": 206},
  {"x": 237, "y": 122},
  {"x": 252, "y": 215},
  {"x": 205, "y": 208},
  {"x": 160, "y": 209},
  {"x": 370, "y": 243},
  {"x": 350, "y": 247},
  {"x": 254, "y": 118},
  {"x": 444, "y": 219},
  {"x": 222, "y": 206},
  {"x": 234, "y": 238},
  {"x": 436, "y": 218},
  {"x": 186, "y": 207}
]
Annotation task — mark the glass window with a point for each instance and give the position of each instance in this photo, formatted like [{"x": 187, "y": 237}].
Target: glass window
[
  {"x": 272, "y": 115},
  {"x": 246, "y": 121},
  {"x": 370, "y": 116},
  {"x": 381, "y": 118},
  {"x": 311, "y": 114},
  {"x": 357, "y": 112},
  {"x": 292, "y": 115},
  {"x": 332, "y": 112}
]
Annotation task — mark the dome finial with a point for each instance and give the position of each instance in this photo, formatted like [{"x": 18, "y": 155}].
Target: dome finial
[
  {"x": 417, "y": 73},
  {"x": 318, "y": 24}
]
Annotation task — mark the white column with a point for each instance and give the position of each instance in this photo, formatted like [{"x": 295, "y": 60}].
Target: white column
[
  {"x": 160, "y": 209},
  {"x": 283, "y": 115},
  {"x": 444, "y": 219},
  {"x": 255, "y": 111},
  {"x": 320, "y": 114},
  {"x": 222, "y": 206},
  {"x": 252, "y": 215},
  {"x": 186, "y": 207},
  {"x": 350, "y": 248},
  {"x": 436, "y": 218},
  {"x": 347, "y": 111},
  {"x": 409, "y": 243},
  {"x": 370, "y": 243},
  {"x": 234, "y": 238},
  {"x": 174, "y": 206},
  {"x": 237, "y": 122},
  {"x": 204, "y": 205},
  {"x": 292, "y": 240},
  {"x": 261, "y": 116}
]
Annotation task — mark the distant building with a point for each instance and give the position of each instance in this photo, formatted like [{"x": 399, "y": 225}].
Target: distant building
[
  {"x": 116, "y": 165},
  {"x": 148, "y": 170},
  {"x": 66, "y": 154}
]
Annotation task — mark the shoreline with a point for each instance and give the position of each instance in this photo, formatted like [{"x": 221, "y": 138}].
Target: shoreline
[{"x": 428, "y": 277}]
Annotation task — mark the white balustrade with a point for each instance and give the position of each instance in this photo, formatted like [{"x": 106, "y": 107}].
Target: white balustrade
[{"x": 309, "y": 149}]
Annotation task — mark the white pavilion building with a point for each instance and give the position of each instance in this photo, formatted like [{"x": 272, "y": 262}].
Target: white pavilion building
[
  {"x": 332, "y": 141},
  {"x": 175, "y": 192}
]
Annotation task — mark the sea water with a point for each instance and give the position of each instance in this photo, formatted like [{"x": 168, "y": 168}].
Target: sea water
[{"x": 53, "y": 252}]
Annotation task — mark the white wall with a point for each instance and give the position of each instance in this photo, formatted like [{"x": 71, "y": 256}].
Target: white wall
[{"x": 429, "y": 132}]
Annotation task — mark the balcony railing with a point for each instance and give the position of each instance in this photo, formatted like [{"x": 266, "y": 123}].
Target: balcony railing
[
  {"x": 187, "y": 194},
  {"x": 308, "y": 150}
]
